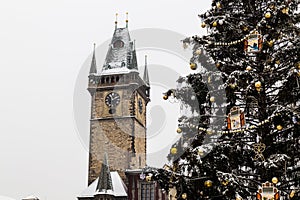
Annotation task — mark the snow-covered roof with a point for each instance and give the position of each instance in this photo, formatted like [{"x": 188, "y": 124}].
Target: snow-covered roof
[
  {"x": 134, "y": 170},
  {"x": 90, "y": 190},
  {"x": 121, "y": 55},
  {"x": 117, "y": 70},
  {"x": 119, "y": 188},
  {"x": 31, "y": 197}
]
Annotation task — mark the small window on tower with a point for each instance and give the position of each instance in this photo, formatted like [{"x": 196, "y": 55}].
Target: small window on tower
[
  {"x": 118, "y": 44},
  {"x": 140, "y": 161}
]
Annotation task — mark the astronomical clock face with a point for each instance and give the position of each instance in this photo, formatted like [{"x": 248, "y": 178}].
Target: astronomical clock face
[
  {"x": 112, "y": 99},
  {"x": 140, "y": 105}
]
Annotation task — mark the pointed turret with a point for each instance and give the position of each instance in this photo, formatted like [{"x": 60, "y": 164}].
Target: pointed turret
[
  {"x": 146, "y": 74},
  {"x": 93, "y": 69},
  {"x": 105, "y": 182},
  {"x": 108, "y": 184},
  {"x": 121, "y": 56}
]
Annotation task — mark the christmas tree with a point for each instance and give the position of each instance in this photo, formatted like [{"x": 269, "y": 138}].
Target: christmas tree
[{"x": 240, "y": 131}]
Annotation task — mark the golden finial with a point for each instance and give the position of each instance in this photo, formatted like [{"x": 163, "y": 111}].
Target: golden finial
[
  {"x": 116, "y": 22},
  {"x": 127, "y": 20}
]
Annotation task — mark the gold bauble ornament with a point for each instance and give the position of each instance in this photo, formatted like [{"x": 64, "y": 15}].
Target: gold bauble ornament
[
  {"x": 285, "y": 10},
  {"x": 214, "y": 24},
  {"x": 277, "y": 62},
  {"x": 165, "y": 97},
  {"x": 218, "y": 4},
  {"x": 212, "y": 99},
  {"x": 200, "y": 152},
  {"x": 279, "y": 127},
  {"x": 275, "y": 180},
  {"x": 232, "y": 86},
  {"x": 257, "y": 84},
  {"x": 208, "y": 183},
  {"x": 173, "y": 150},
  {"x": 248, "y": 68},
  {"x": 218, "y": 64},
  {"x": 179, "y": 130},
  {"x": 298, "y": 65},
  {"x": 292, "y": 194},
  {"x": 268, "y": 15},
  {"x": 148, "y": 178},
  {"x": 225, "y": 182},
  {"x": 193, "y": 66},
  {"x": 184, "y": 196},
  {"x": 270, "y": 43},
  {"x": 198, "y": 51},
  {"x": 203, "y": 25}
]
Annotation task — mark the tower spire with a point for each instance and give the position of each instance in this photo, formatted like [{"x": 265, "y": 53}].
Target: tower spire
[
  {"x": 127, "y": 20},
  {"x": 116, "y": 22},
  {"x": 122, "y": 55},
  {"x": 93, "y": 69},
  {"x": 105, "y": 181},
  {"x": 146, "y": 75}
]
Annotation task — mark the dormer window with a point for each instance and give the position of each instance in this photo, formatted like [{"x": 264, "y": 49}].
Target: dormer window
[{"x": 118, "y": 44}]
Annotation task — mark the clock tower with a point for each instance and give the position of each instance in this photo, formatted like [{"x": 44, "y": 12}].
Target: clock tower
[{"x": 119, "y": 97}]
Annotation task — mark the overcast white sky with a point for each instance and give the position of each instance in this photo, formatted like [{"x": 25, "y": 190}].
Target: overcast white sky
[{"x": 43, "y": 47}]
